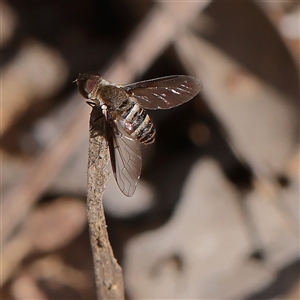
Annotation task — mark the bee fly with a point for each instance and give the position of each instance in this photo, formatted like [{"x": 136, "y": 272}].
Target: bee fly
[{"x": 127, "y": 125}]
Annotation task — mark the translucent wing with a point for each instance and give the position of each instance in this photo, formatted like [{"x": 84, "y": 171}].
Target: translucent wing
[
  {"x": 164, "y": 92},
  {"x": 125, "y": 156}
]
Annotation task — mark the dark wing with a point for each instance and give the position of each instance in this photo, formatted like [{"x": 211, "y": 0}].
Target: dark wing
[
  {"x": 164, "y": 92},
  {"x": 125, "y": 156}
]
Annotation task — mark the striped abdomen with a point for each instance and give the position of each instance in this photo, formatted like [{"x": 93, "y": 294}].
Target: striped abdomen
[{"x": 136, "y": 121}]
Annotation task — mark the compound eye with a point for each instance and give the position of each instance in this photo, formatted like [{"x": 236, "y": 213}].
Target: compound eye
[
  {"x": 85, "y": 87},
  {"x": 86, "y": 83}
]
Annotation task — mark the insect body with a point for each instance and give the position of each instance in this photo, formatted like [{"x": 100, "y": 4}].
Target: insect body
[
  {"x": 126, "y": 122},
  {"x": 132, "y": 117}
]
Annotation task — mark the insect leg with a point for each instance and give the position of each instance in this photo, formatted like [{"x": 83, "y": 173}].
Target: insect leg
[{"x": 104, "y": 110}]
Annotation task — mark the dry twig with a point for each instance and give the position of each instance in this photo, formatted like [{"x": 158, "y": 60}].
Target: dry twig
[{"x": 109, "y": 278}]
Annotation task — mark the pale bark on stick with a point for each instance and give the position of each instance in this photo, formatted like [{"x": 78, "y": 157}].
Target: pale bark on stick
[{"x": 108, "y": 274}]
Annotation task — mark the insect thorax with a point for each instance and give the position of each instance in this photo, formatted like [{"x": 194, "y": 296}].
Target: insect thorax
[{"x": 113, "y": 96}]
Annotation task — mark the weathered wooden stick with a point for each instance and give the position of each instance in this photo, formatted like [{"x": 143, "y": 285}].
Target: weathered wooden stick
[{"x": 108, "y": 274}]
